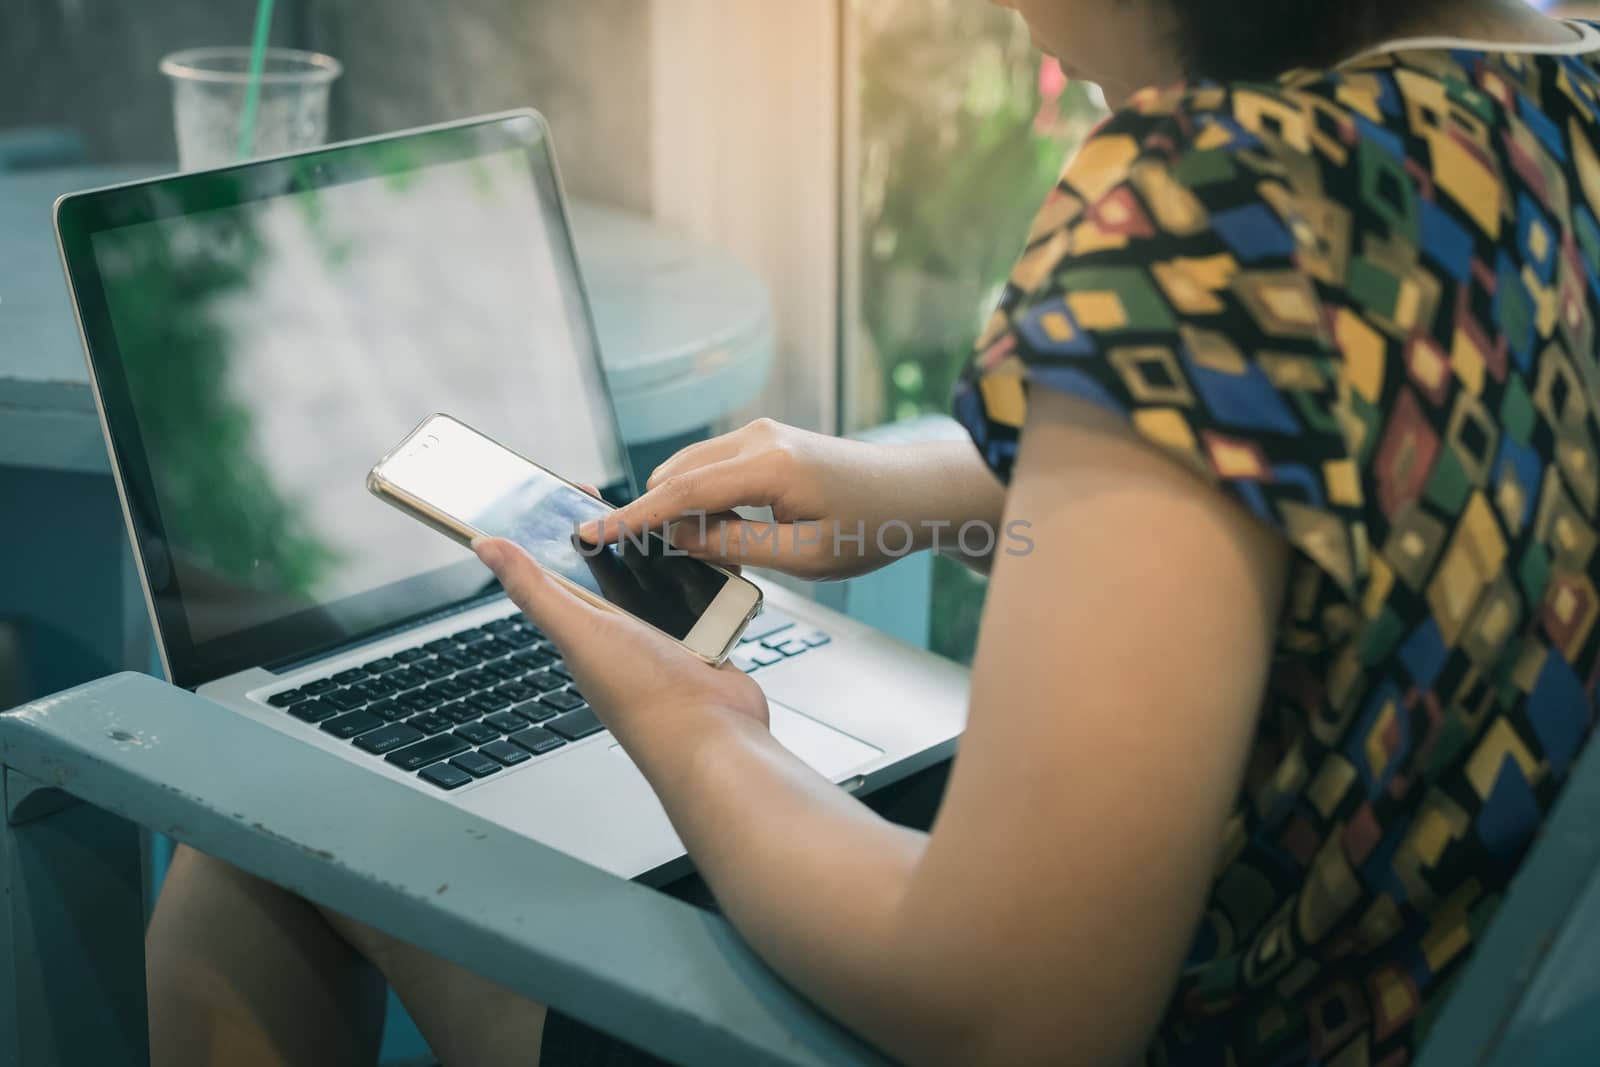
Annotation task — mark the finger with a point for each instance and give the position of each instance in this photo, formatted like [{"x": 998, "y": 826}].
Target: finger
[
  {"x": 566, "y": 617},
  {"x": 587, "y": 488},
  {"x": 705, "y": 538},
  {"x": 717, "y": 487},
  {"x": 700, "y": 454},
  {"x": 736, "y": 542}
]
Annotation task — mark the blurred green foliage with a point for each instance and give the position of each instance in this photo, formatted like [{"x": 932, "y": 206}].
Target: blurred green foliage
[
  {"x": 959, "y": 146},
  {"x": 165, "y": 285}
]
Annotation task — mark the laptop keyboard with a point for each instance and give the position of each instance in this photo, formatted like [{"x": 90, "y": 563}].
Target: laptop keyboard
[
  {"x": 773, "y": 637},
  {"x": 482, "y": 700},
  {"x": 455, "y": 709}
]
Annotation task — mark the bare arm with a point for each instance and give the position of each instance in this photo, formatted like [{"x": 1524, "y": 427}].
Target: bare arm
[
  {"x": 840, "y": 507},
  {"x": 1114, "y": 698}
]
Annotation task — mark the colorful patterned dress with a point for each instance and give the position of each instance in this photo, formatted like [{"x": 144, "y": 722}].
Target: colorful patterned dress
[{"x": 1362, "y": 303}]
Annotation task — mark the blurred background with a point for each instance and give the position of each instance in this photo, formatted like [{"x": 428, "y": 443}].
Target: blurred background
[{"x": 875, "y": 162}]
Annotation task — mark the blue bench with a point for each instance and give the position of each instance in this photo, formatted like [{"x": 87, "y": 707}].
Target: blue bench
[{"x": 85, "y": 769}]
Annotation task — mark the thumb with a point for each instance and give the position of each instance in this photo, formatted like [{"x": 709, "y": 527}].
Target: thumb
[{"x": 546, "y": 602}]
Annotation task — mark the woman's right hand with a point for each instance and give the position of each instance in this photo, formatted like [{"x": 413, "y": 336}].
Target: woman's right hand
[{"x": 840, "y": 508}]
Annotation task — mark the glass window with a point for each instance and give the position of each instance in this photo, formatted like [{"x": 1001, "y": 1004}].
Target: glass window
[{"x": 955, "y": 131}]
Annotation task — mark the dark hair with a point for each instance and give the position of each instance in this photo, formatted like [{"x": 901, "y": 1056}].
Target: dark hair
[{"x": 1258, "y": 39}]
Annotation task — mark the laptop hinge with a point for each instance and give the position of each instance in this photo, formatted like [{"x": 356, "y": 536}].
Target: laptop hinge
[{"x": 295, "y": 663}]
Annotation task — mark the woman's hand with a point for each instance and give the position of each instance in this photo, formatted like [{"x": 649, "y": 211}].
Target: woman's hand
[
  {"x": 840, "y": 507},
  {"x": 663, "y": 685}
]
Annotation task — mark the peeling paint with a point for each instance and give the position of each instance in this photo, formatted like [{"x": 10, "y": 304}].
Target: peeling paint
[
  {"x": 320, "y": 853},
  {"x": 134, "y": 738},
  {"x": 41, "y": 708}
]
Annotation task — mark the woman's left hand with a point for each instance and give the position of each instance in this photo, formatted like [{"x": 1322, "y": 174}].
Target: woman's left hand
[{"x": 635, "y": 678}]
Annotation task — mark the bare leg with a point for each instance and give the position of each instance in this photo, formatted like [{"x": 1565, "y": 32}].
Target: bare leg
[
  {"x": 243, "y": 973},
  {"x": 466, "y": 1018}
]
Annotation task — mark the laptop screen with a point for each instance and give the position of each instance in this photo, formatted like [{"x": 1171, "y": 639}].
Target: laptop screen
[{"x": 261, "y": 336}]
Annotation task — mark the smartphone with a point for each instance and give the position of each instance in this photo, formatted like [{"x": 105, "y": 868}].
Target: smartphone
[{"x": 466, "y": 485}]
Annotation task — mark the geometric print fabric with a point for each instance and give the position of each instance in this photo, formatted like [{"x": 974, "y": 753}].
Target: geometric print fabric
[{"x": 1362, "y": 304}]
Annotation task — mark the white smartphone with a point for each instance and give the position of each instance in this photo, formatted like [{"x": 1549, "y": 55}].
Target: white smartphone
[{"x": 466, "y": 485}]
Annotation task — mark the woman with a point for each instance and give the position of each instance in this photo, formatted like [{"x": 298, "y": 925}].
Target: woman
[{"x": 1295, "y": 386}]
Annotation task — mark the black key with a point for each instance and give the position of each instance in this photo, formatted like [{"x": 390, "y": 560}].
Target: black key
[
  {"x": 455, "y": 660},
  {"x": 388, "y": 738},
  {"x": 346, "y": 699},
  {"x": 764, "y": 656},
  {"x": 500, "y": 626},
  {"x": 494, "y": 647},
  {"x": 574, "y": 724},
  {"x": 791, "y": 648},
  {"x": 313, "y": 710},
  {"x": 478, "y": 679},
  {"x": 411, "y": 655},
  {"x": 816, "y": 638},
  {"x": 533, "y": 658},
  {"x": 287, "y": 697},
  {"x": 460, "y": 711},
  {"x": 449, "y": 689},
  {"x": 505, "y": 722},
  {"x": 320, "y": 686},
  {"x": 765, "y": 625},
  {"x": 488, "y": 701},
  {"x": 405, "y": 679},
  {"x": 354, "y": 674},
  {"x": 432, "y": 669},
  {"x": 373, "y": 688},
  {"x": 429, "y": 723},
  {"x": 378, "y": 666},
  {"x": 476, "y": 765},
  {"x": 537, "y": 739},
  {"x": 505, "y": 752},
  {"x": 505, "y": 670},
  {"x": 389, "y": 710},
  {"x": 420, "y": 700},
  {"x": 415, "y": 757},
  {"x": 467, "y": 637},
  {"x": 446, "y": 776},
  {"x": 474, "y": 654},
  {"x": 347, "y": 726},
  {"x": 560, "y": 669},
  {"x": 478, "y": 734},
  {"x": 544, "y": 681},
  {"x": 527, "y": 627},
  {"x": 744, "y": 662},
  {"x": 534, "y": 711},
  {"x": 563, "y": 700},
  {"x": 516, "y": 692},
  {"x": 440, "y": 644},
  {"x": 520, "y": 638}
]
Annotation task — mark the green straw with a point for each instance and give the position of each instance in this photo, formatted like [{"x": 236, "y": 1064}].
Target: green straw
[{"x": 252, "y": 89}]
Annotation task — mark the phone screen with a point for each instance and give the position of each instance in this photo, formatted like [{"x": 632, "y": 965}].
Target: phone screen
[{"x": 491, "y": 489}]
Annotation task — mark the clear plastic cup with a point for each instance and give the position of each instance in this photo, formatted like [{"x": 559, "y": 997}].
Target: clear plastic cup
[{"x": 208, "y": 96}]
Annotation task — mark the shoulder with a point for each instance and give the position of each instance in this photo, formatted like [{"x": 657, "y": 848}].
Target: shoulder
[{"x": 1205, "y": 132}]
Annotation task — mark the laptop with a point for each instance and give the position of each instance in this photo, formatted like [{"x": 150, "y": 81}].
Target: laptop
[{"x": 258, "y": 335}]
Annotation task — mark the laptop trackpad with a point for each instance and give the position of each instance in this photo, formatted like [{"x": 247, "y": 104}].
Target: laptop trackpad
[{"x": 829, "y": 752}]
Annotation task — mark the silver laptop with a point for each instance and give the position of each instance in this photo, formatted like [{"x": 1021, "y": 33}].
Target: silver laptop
[{"x": 258, "y": 336}]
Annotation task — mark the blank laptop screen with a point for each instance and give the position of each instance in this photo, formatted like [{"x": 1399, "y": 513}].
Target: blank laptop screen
[{"x": 258, "y": 347}]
